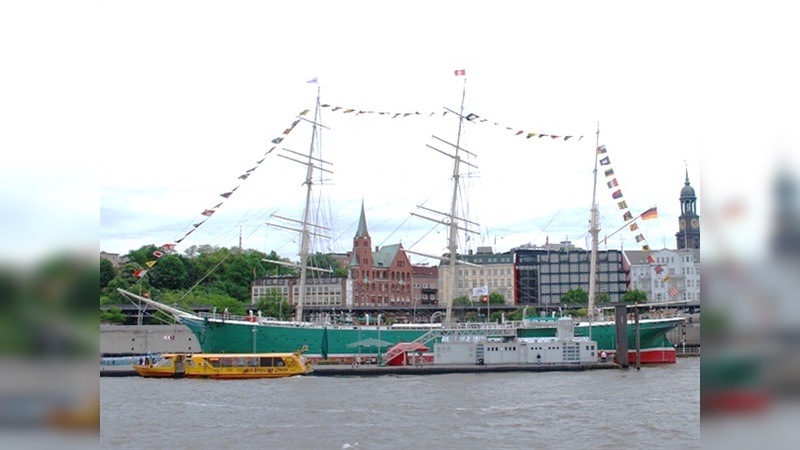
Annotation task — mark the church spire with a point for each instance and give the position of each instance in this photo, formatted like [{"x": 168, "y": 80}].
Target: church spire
[
  {"x": 686, "y": 183},
  {"x": 362, "y": 223}
]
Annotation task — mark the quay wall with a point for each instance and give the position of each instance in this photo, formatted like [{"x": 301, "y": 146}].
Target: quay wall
[{"x": 139, "y": 339}]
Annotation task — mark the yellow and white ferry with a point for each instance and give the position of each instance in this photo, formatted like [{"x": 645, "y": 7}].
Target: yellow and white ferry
[{"x": 228, "y": 366}]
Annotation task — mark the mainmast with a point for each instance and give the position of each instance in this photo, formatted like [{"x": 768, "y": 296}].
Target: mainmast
[
  {"x": 311, "y": 162},
  {"x": 594, "y": 231},
  {"x": 451, "y": 219},
  {"x": 304, "y": 235}
]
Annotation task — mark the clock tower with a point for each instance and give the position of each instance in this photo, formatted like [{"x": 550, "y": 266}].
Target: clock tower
[{"x": 688, "y": 235}]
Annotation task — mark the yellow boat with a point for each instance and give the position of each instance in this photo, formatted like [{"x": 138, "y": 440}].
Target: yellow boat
[{"x": 230, "y": 366}]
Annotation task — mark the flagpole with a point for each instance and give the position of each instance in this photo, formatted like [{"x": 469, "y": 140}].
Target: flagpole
[{"x": 625, "y": 225}]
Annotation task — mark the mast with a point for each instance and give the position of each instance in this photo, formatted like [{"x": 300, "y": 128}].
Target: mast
[
  {"x": 311, "y": 162},
  {"x": 451, "y": 219},
  {"x": 452, "y": 243},
  {"x": 304, "y": 236},
  {"x": 594, "y": 231}
]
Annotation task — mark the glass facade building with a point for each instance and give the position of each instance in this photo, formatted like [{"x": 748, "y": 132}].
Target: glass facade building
[{"x": 542, "y": 276}]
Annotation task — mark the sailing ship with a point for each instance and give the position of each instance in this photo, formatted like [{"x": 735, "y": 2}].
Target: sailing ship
[{"x": 386, "y": 343}]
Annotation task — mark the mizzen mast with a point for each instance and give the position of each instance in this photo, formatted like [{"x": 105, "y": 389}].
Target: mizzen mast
[{"x": 594, "y": 231}]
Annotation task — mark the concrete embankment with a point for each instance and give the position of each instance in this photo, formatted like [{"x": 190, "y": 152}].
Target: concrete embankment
[{"x": 431, "y": 369}]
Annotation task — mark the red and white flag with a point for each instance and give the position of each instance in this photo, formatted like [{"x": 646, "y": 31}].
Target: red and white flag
[
  {"x": 461, "y": 72},
  {"x": 673, "y": 291}
]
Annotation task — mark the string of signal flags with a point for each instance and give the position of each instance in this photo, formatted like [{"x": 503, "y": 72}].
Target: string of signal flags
[
  {"x": 206, "y": 214},
  {"x": 627, "y": 216},
  {"x": 472, "y": 117}
]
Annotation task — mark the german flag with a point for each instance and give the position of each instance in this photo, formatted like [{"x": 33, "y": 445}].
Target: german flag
[{"x": 651, "y": 213}]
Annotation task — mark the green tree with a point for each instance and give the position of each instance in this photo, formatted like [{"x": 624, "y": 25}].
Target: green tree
[
  {"x": 496, "y": 298},
  {"x": 575, "y": 297},
  {"x": 462, "y": 301},
  {"x": 496, "y": 316},
  {"x": 327, "y": 261},
  {"x": 169, "y": 273},
  {"x": 634, "y": 296},
  {"x": 274, "y": 304},
  {"x": 602, "y": 298},
  {"x": 112, "y": 315},
  {"x": 580, "y": 312},
  {"x": 142, "y": 255},
  {"x": 515, "y": 315},
  {"x": 107, "y": 272}
]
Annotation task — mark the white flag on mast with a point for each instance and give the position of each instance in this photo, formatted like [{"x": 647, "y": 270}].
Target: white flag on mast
[{"x": 483, "y": 290}]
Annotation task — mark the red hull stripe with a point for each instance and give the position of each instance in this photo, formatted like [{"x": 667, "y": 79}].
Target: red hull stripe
[{"x": 665, "y": 355}]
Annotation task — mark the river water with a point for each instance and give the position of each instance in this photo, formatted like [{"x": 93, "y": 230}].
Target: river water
[{"x": 656, "y": 407}]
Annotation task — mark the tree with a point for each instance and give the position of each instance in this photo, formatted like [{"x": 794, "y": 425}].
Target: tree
[
  {"x": 634, "y": 296},
  {"x": 515, "y": 315},
  {"x": 575, "y": 297},
  {"x": 496, "y": 316},
  {"x": 112, "y": 315},
  {"x": 327, "y": 261},
  {"x": 107, "y": 272},
  {"x": 143, "y": 254},
  {"x": 169, "y": 273},
  {"x": 496, "y": 298},
  {"x": 274, "y": 304},
  {"x": 462, "y": 301},
  {"x": 602, "y": 298}
]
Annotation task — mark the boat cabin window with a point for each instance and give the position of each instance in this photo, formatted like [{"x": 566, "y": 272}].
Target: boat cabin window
[
  {"x": 166, "y": 362},
  {"x": 272, "y": 361}
]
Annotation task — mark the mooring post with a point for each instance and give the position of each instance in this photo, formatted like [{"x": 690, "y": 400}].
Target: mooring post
[
  {"x": 638, "y": 342},
  {"x": 621, "y": 327}
]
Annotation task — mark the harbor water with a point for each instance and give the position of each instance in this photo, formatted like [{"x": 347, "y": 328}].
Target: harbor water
[{"x": 656, "y": 407}]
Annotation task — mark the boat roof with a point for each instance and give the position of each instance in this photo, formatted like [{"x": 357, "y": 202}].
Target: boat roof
[{"x": 228, "y": 355}]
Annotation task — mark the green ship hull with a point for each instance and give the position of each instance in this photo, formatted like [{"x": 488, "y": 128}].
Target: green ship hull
[{"x": 345, "y": 342}]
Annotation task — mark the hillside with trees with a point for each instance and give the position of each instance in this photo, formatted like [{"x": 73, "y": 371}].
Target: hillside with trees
[{"x": 202, "y": 277}]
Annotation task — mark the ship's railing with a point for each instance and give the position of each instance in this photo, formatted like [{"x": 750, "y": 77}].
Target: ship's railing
[{"x": 254, "y": 319}]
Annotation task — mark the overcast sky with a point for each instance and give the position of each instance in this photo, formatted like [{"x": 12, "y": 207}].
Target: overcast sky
[{"x": 163, "y": 105}]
